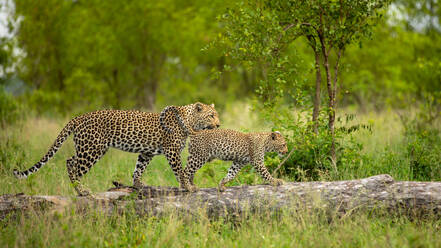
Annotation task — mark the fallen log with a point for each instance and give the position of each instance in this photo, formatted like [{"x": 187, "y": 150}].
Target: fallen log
[{"x": 377, "y": 192}]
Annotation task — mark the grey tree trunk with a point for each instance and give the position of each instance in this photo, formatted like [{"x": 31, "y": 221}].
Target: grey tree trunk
[{"x": 341, "y": 197}]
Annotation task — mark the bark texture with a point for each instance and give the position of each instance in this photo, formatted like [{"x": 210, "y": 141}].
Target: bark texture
[{"x": 422, "y": 198}]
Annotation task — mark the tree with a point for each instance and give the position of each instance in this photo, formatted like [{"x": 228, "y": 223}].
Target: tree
[
  {"x": 84, "y": 55},
  {"x": 258, "y": 31},
  {"x": 41, "y": 37},
  {"x": 401, "y": 62}
]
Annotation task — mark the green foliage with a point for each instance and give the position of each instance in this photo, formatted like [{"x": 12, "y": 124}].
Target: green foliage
[
  {"x": 336, "y": 23},
  {"x": 253, "y": 35},
  {"x": 83, "y": 55},
  {"x": 375, "y": 76},
  {"x": 258, "y": 34},
  {"x": 310, "y": 160}
]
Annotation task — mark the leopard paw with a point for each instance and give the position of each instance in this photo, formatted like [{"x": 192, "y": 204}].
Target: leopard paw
[
  {"x": 138, "y": 185},
  {"x": 277, "y": 182},
  {"x": 222, "y": 188},
  {"x": 190, "y": 188}
]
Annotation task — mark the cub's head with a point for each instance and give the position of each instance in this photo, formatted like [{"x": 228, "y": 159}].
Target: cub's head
[
  {"x": 276, "y": 143},
  {"x": 203, "y": 116}
]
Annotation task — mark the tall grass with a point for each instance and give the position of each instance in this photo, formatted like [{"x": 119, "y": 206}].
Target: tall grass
[
  {"x": 301, "y": 229},
  {"x": 23, "y": 144}
]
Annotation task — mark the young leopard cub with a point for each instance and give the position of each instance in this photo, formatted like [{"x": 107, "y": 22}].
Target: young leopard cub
[
  {"x": 148, "y": 134},
  {"x": 229, "y": 145}
]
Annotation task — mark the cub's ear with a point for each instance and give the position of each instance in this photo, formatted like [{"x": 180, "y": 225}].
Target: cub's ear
[
  {"x": 274, "y": 134},
  {"x": 212, "y": 105},
  {"x": 198, "y": 106}
]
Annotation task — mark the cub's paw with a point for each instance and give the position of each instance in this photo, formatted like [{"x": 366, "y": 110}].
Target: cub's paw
[
  {"x": 138, "y": 185},
  {"x": 81, "y": 190},
  {"x": 190, "y": 188},
  {"x": 221, "y": 188},
  {"x": 277, "y": 182},
  {"x": 84, "y": 192}
]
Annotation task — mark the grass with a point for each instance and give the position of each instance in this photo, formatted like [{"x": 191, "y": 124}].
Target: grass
[
  {"x": 383, "y": 145},
  {"x": 298, "y": 230},
  {"x": 24, "y": 144}
]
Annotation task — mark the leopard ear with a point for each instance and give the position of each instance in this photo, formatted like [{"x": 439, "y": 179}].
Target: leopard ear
[
  {"x": 212, "y": 105},
  {"x": 198, "y": 106},
  {"x": 273, "y": 135}
]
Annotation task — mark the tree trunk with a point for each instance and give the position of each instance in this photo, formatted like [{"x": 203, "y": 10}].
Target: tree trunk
[
  {"x": 331, "y": 105},
  {"x": 118, "y": 93},
  {"x": 318, "y": 80},
  {"x": 148, "y": 89},
  {"x": 341, "y": 197},
  {"x": 150, "y": 94}
]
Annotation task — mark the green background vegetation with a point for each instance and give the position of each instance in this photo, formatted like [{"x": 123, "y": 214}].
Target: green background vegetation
[{"x": 64, "y": 58}]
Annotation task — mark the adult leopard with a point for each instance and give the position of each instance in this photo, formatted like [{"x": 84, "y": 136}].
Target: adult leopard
[
  {"x": 148, "y": 134},
  {"x": 230, "y": 145}
]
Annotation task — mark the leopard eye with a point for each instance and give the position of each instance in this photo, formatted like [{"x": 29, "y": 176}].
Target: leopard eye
[{"x": 212, "y": 115}]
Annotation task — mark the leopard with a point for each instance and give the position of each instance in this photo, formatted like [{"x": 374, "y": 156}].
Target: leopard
[
  {"x": 146, "y": 133},
  {"x": 230, "y": 145}
]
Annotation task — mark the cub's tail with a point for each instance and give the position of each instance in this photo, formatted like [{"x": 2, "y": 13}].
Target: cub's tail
[{"x": 67, "y": 130}]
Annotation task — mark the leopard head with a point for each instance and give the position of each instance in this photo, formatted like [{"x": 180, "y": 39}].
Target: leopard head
[
  {"x": 203, "y": 116},
  {"x": 276, "y": 143}
]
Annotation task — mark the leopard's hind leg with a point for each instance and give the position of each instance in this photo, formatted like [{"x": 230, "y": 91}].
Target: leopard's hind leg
[
  {"x": 73, "y": 170},
  {"x": 232, "y": 172},
  {"x": 88, "y": 153}
]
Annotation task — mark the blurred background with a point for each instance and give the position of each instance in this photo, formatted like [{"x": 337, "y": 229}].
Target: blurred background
[
  {"x": 62, "y": 58},
  {"x": 75, "y": 56}
]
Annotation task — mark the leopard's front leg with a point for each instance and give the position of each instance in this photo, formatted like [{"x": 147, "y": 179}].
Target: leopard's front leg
[
  {"x": 173, "y": 155},
  {"x": 259, "y": 165},
  {"x": 194, "y": 162}
]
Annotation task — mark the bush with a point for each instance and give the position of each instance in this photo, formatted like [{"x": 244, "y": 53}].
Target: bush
[{"x": 311, "y": 160}]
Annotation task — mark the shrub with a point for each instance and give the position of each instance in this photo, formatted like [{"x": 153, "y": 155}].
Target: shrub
[{"x": 311, "y": 160}]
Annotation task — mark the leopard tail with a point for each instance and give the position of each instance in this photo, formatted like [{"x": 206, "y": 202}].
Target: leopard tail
[{"x": 64, "y": 134}]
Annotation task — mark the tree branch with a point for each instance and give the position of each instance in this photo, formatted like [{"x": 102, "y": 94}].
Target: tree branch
[{"x": 336, "y": 68}]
